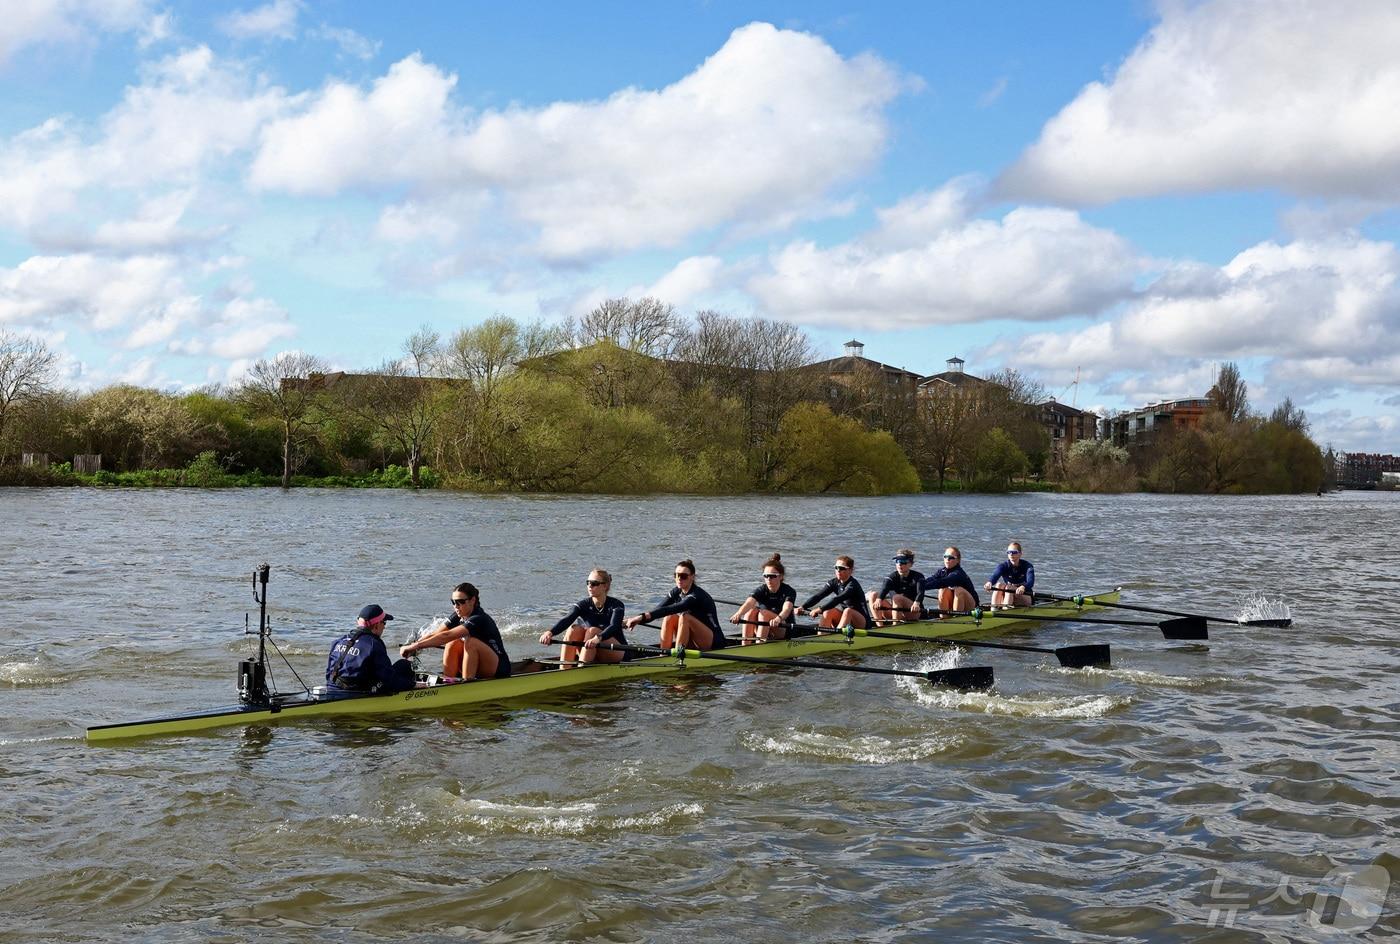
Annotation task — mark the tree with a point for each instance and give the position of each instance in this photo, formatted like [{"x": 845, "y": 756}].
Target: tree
[
  {"x": 1289, "y": 416},
  {"x": 945, "y": 425},
  {"x": 26, "y": 373},
  {"x": 1230, "y": 395},
  {"x": 823, "y": 452},
  {"x": 997, "y": 460},
  {"x": 648, "y": 326},
  {"x": 401, "y": 401},
  {"x": 1096, "y": 465},
  {"x": 1177, "y": 459},
  {"x": 286, "y": 388}
]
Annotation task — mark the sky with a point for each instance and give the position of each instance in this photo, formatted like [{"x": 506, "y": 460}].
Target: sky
[{"x": 1114, "y": 198}]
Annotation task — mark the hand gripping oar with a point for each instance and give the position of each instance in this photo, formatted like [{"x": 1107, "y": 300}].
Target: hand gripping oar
[
  {"x": 1080, "y": 600},
  {"x": 967, "y": 678},
  {"x": 1071, "y": 657}
]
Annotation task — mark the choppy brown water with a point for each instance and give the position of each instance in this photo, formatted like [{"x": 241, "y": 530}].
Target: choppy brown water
[{"x": 1189, "y": 793}]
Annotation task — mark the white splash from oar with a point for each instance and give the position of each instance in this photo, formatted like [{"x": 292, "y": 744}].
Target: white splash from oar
[
  {"x": 858, "y": 748},
  {"x": 1259, "y": 606}
]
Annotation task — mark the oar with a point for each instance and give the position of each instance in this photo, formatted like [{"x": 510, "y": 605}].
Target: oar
[
  {"x": 1187, "y": 627},
  {"x": 1071, "y": 657},
  {"x": 967, "y": 678},
  {"x": 1080, "y": 600}
]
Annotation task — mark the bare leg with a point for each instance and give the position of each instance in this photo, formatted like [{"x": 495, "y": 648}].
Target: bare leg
[
  {"x": 693, "y": 634},
  {"x": 852, "y": 617},
  {"x": 669, "y": 626},
  {"x": 479, "y": 661},
  {"x": 452, "y": 658},
  {"x": 570, "y": 653}
]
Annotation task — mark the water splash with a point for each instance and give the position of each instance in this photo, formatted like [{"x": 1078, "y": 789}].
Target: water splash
[
  {"x": 1258, "y": 606},
  {"x": 33, "y": 672},
  {"x": 1144, "y": 677},
  {"x": 573, "y": 818},
  {"x": 862, "y": 748}
]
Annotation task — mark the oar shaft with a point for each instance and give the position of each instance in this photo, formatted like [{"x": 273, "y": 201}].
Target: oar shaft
[
  {"x": 1095, "y": 601},
  {"x": 721, "y": 656}
]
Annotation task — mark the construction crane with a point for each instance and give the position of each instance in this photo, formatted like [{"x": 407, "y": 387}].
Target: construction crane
[{"x": 1075, "y": 387}]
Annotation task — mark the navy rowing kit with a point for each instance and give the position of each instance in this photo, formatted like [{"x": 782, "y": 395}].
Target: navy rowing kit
[
  {"x": 910, "y": 587},
  {"x": 698, "y": 604},
  {"x": 608, "y": 619},
  {"x": 773, "y": 600},
  {"x": 849, "y": 595},
  {"x": 1020, "y": 574},
  {"x": 951, "y": 577},
  {"x": 481, "y": 626},
  {"x": 359, "y": 662}
]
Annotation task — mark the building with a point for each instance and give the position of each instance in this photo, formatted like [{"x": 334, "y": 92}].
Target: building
[
  {"x": 953, "y": 380},
  {"x": 1067, "y": 425},
  {"x": 1366, "y": 469},
  {"x": 1135, "y": 426},
  {"x": 854, "y": 365}
]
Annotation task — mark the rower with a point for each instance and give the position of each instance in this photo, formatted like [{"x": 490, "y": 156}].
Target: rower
[
  {"x": 767, "y": 611},
  {"x": 359, "y": 662},
  {"x": 954, "y": 586},
  {"x": 1013, "y": 582},
  {"x": 848, "y": 607},
  {"x": 690, "y": 619},
  {"x": 594, "y": 619},
  {"x": 471, "y": 642},
  {"x": 901, "y": 598}
]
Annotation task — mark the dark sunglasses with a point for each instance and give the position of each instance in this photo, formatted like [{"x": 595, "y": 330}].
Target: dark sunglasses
[
  {"x": 595, "y": 583},
  {"x": 1013, "y": 553},
  {"x": 950, "y": 557},
  {"x": 680, "y": 576},
  {"x": 457, "y": 602},
  {"x": 902, "y": 560},
  {"x": 771, "y": 576}
]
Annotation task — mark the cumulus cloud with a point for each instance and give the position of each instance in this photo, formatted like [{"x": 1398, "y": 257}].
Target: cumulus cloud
[
  {"x": 929, "y": 263},
  {"x": 43, "y": 22},
  {"x": 1291, "y": 94},
  {"x": 689, "y": 278},
  {"x": 275, "y": 20},
  {"x": 1317, "y": 314},
  {"x": 757, "y": 135}
]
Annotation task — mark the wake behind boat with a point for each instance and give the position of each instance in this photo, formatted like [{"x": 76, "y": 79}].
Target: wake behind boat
[{"x": 258, "y": 705}]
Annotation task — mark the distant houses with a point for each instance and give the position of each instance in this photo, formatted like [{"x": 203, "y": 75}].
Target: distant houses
[{"x": 1136, "y": 426}]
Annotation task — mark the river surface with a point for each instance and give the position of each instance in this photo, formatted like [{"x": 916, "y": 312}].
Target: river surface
[{"x": 1189, "y": 793}]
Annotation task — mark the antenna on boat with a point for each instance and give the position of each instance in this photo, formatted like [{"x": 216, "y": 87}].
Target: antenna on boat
[{"x": 252, "y": 675}]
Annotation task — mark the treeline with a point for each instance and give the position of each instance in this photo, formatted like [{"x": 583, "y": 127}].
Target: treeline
[
  {"x": 631, "y": 398},
  {"x": 1233, "y": 451}
]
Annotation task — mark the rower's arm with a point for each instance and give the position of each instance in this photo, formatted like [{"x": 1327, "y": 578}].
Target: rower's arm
[{"x": 436, "y": 640}]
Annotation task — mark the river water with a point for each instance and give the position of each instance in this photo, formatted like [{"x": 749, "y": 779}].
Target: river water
[{"x": 1189, "y": 793}]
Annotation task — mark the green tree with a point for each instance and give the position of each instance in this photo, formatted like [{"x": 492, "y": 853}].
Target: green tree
[
  {"x": 1096, "y": 465},
  {"x": 288, "y": 389},
  {"x": 997, "y": 461},
  {"x": 823, "y": 452}
]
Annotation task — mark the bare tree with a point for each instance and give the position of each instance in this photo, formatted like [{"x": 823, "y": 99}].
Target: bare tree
[
  {"x": 401, "y": 399},
  {"x": 1289, "y": 416},
  {"x": 647, "y": 326},
  {"x": 1230, "y": 395},
  {"x": 26, "y": 372},
  {"x": 286, "y": 388}
]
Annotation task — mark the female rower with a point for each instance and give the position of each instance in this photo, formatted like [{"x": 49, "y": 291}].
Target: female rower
[
  {"x": 471, "y": 642},
  {"x": 848, "y": 607},
  {"x": 690, "y": 620},
  {"x": 954, "y": 586},
  {"x": 901, "y": 598},
  {"x": 769, "y": 608},
  {"x": 594, "y": 619},
  {"x": 1013, "y": 582}
]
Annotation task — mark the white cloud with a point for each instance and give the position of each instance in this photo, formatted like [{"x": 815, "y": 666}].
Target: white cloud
[
  {"x": 1291, "y": 94},
  {"x": 244, "y": 329},
  {"x": 757, "y": 135},
  {"x": 1346, "y": 431},
  {"x": 1318, "y": 314},
  {"x": 97, "y": 293},
  {"x": 275, "y": 20},
  {"x": 688, "y": 279},
  {"x": 350, "y": 43},
  {"x": 42, "y": 22},
  {"x": 929, "y": 263}
]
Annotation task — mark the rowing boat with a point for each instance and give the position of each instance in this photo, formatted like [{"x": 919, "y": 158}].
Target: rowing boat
[{"x": 534, "y": 677}]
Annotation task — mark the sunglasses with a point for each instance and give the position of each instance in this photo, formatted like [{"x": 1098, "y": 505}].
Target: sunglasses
[
  {"x": 1013, "y": 553},
  {"x": 840, "y": 567},
  {"x": 771, "y": 576},
  {"x": 595, "y": 583},
  {"x": 902, "y": 560},
  {"x": 683, "y": 576},
  {"x": 457, "y": 602},
  {"x": 950, "y": 557}
]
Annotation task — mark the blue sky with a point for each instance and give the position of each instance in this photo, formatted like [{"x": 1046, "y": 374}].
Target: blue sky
[{"x": 1125, "y": 192}]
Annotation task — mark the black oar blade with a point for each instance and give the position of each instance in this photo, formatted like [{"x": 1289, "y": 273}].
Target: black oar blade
[
  {"x": 973, "y": 678},
  {"x": 1186, "y": 627},
  {"x": 1083, "y": 657},
  {"x": 1267, "y": 622}
]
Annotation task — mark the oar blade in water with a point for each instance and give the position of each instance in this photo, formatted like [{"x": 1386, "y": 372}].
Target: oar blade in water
[
  {"x": 973, "y": 678},
  {"x": 1186, "y": 627},
  {"x": 1084, "y": 657},
  {"x": 1267, "y": 622}
]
